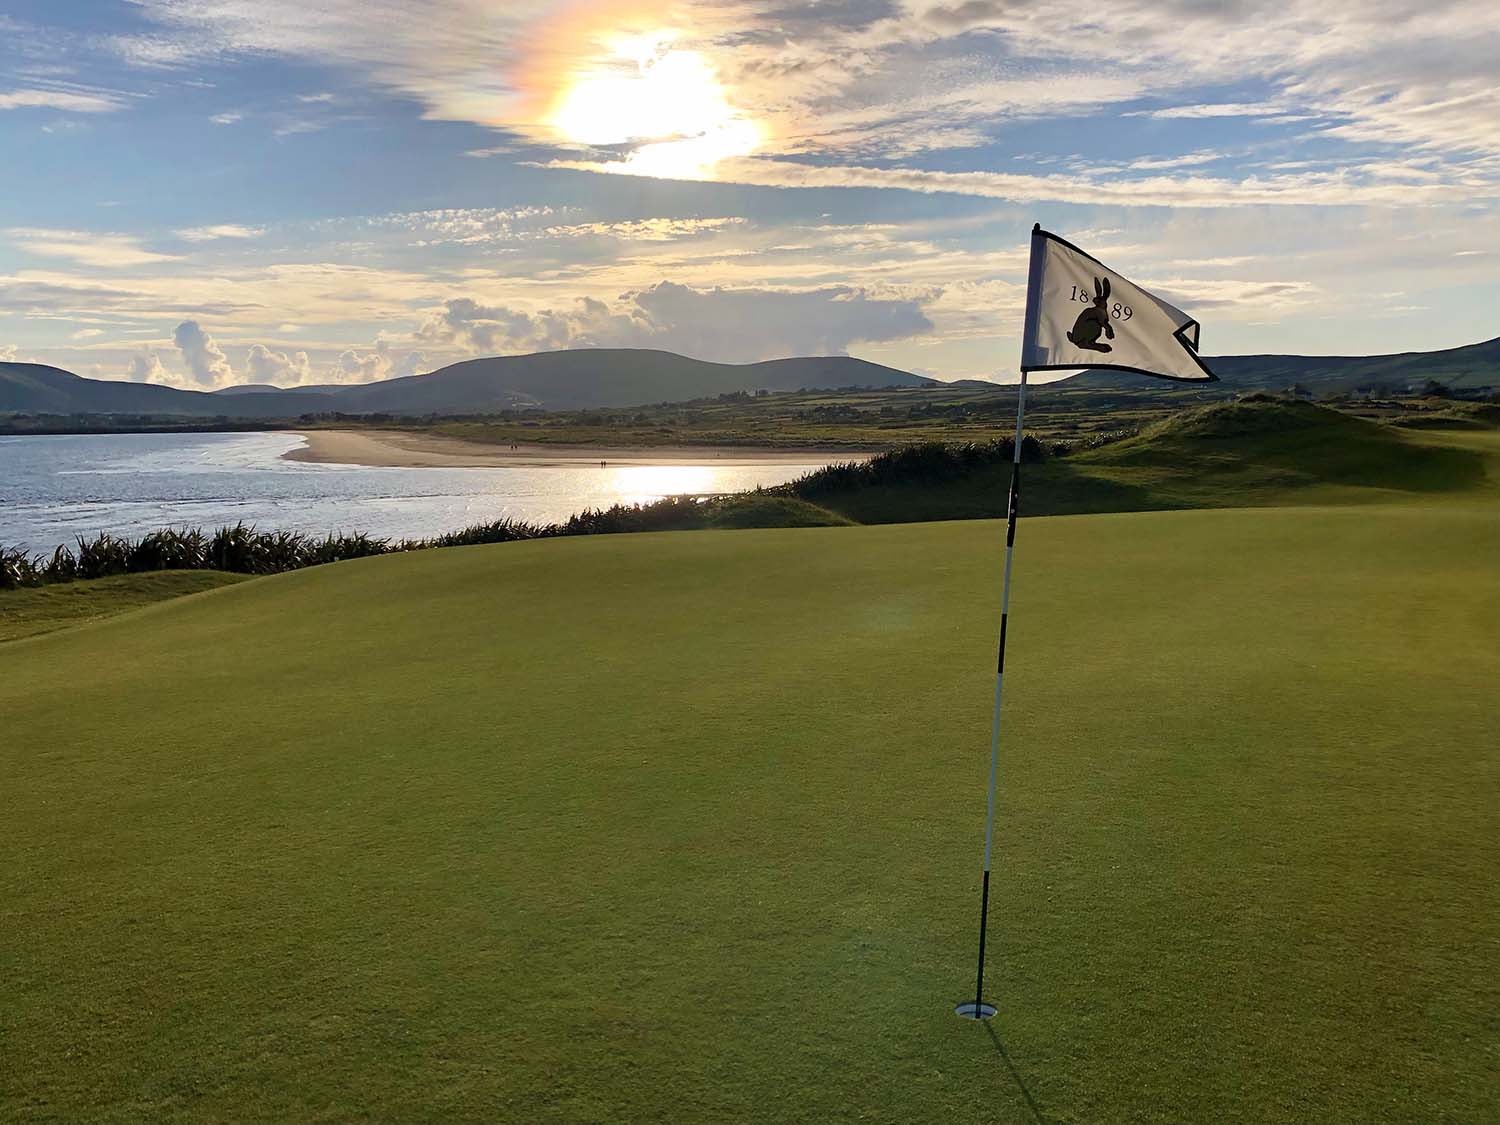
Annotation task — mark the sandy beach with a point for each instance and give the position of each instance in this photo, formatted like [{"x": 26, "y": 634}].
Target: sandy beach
[{"x": 413, "y": 450}]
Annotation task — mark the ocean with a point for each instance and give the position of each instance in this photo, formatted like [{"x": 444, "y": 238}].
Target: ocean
[{"x": 54, "y": 489}]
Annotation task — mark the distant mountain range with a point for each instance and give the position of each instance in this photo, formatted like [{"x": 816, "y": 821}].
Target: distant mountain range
[
  {"x": 1473, "y": 365},
  {"x": 546, "y": 380},
  {"x": 634, "y": 377}
]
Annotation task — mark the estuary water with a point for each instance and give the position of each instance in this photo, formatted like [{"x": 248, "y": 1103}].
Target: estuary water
[{"x": 56, "y": 488}]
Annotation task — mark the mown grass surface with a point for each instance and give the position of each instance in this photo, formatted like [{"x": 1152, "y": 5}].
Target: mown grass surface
[
  {"x": 41, "y": 609},
  {"x": 686, "y": 827}
]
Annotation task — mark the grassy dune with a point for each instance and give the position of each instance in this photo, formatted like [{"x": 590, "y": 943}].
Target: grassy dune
[
  {"x": 686, "y": 827},
  {"x": 29, "y": 612},
  {"x": 1225, "y": 455}
]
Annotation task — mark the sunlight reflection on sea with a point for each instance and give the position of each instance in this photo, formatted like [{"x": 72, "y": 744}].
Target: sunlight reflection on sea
[{"x": 55, "y": 488}]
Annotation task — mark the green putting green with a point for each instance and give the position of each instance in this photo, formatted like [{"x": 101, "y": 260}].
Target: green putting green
[{"x": 687, "y": 827}]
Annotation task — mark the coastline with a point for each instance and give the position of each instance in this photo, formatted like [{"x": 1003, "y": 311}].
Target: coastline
[{"x": 407, "y": 449}]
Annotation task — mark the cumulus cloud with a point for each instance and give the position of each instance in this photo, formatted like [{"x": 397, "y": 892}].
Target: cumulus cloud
[
  {"x": 146, "y": 367},
  {"x": 205, "y": 362},
  {"x": 265, "y": 366},
  {"x": 728, "y": 325},
  {"x": 7, "y": 353},
  {"x": 369, "y": 364}
]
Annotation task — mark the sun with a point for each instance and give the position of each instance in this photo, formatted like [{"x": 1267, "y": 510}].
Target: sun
[{"x": 667, "y": 102}]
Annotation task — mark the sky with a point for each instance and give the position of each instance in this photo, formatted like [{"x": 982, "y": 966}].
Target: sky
[{"x": 210, "y": 192}]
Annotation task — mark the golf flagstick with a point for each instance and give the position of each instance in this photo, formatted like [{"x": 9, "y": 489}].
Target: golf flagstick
[
  {"x": 1122, "y": 327},
  {"x": 979, "y": 1010}
]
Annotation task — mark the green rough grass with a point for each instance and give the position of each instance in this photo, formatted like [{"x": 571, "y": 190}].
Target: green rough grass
[
  {"x": 686, "y": 827},
  {"x": 1455, "y": 416},
  {"x": 41, "y": 609},
  {"x": 1226, "y": 455},
  {"x": 759, "y": 509}
]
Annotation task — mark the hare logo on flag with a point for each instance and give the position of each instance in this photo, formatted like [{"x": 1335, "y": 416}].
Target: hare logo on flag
[
  {"x": 1085, "y": 331},
  {"x": 1079, "y": 311}
]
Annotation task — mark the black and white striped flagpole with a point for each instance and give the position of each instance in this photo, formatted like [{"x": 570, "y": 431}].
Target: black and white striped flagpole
[{"x": 978, "y": 1009}]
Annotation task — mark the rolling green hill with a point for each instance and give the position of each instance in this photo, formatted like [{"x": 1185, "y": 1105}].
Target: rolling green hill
[
  {"x": 589, "y": 379},
  {"x": 1270, "y": 451},
  {"x": 686, "y": 827},
  {"x": 1466, "y": 367},
  {"x": 35, "y": 388},
  {"x": 585, "y": 377}
]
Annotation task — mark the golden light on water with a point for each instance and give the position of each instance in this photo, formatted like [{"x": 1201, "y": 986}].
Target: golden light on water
[
  {"x": 640, "y": 484},
  {"x": 666, "y": 100}
]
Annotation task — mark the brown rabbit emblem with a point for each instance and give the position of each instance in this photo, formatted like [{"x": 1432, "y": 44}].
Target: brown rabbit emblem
[{"x": 1094, "y": 320}]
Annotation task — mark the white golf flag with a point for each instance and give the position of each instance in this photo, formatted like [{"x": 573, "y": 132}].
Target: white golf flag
[{"x": 1080, "y": 313}]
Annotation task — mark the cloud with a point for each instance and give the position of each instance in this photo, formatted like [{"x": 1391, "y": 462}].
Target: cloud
[
  {"x": 379, "y": 362},
  {"x": 219, "y": 230},
  {"x": 146, "y": 367},
  {"x": 478, "y": 328},
  {"x": 298, "y": 125},
  {"x": 906, "y": 78},
  {"x": 68, "y": 101},
  {"x": 87, "y": 333},
  {"x": 262, "y": 365},
  {"x": 107, "y": 251},
  {"x": 728, "y": 325},
  {"x": 642, "y": 230},
  {"x": 8, "y": 353},
  {"x": 205, "y": 362},
  {"x": 459, "y": 226},
  {"x": 1342, "y": 187},
  {"x": 227, "y": 118},
  {"x": 1217, "y": 109}
]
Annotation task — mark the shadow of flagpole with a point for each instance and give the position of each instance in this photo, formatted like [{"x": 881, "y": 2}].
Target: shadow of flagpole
[{"x": 1036, "y": 1111}]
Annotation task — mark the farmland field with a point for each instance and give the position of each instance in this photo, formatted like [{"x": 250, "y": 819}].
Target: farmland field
[{"x": 686, "y": 826}]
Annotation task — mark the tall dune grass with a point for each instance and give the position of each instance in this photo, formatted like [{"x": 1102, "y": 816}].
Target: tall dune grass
[{"x": 932, "y": 462}]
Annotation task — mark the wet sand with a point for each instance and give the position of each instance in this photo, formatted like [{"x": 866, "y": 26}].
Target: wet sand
[{"x": 416, "y": 450}]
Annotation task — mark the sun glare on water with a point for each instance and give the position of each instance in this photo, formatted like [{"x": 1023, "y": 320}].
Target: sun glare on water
[{"x": 666, "y": 101}]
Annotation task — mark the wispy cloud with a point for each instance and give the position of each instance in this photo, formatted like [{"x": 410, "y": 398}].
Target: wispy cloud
[
  {"x": 218, "y": 231},
  {"x": 1307, "y": 189},
  {"x": 641, "y": 230},
  {"x": 1261, "y": 155},
  {"x": 1212, "y": 109},
  {"x": 67, "y": 101},
  {"x": 106, "y": 251}
]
